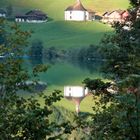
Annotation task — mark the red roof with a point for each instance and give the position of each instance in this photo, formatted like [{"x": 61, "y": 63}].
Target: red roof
[{"x": 123, "y": 13}]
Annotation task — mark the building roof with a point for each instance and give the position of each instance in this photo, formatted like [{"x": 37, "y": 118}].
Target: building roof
[
  {"x": 33, "y": 15},
  {"x": 36, "y": 12},
  {"x": 107, "y": 13},
  {"x": 76, "y": 7},
  {"x": 91, "y": 11},
  {"x": 120, "y": 12},
  {"x": 2, "y": 11}
]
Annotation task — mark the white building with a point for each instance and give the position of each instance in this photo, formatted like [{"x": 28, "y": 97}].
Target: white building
[
  {"x": 2, "y": 13},
  {"x": 77, "y": 12},
  {"x": 33, "y": 16}
]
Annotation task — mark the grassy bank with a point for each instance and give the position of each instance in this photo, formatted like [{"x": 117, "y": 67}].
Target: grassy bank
[{"x": 64, "y": 35}]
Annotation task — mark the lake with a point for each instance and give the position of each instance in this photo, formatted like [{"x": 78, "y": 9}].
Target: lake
[
  {"x": 64, "y": 72},
  {"x": 61, "y": 72}
]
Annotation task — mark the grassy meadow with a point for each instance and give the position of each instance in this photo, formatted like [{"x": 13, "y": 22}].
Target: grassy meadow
[
  {"x": 65, "y": 35},
  {"x": 62, "y": 34}
]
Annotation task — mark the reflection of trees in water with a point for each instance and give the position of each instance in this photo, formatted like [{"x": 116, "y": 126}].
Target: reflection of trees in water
[
  {"x": 91, "y": 66},
  {"x": 87, "y": 58},
  {"x": 35, "y": 61}
]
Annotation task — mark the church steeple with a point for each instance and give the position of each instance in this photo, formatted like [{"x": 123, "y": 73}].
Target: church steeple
[
  {"x": 76, "y": 7},
  {"x": 78, "y": 1}
]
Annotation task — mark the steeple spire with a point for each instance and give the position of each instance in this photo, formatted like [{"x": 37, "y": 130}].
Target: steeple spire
[{"x": 78, "y": 1}]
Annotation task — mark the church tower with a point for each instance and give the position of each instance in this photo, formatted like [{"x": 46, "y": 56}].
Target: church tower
[{"x": 76, "y": 12}]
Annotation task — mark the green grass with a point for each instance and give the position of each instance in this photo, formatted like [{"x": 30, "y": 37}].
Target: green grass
[
  {"x": 62, "y": 34},
  {"x": 86, "y": 104}
]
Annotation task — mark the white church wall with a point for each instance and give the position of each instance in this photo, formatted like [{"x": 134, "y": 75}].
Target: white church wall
[
  {"x": 87, "y": 16},
  {"x": 75, "y": 15}
]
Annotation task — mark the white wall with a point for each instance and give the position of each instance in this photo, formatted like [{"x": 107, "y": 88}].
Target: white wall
[
  {"x": 75, "y": 15},
  {"x": 30, "y": 21},
  {"x": 36, "y": 21},
  {"x": 75, "y": 91},
  {"x": 18, "y": 20},
  {"x": 87, "y": 16},
  {"x": 2, "y": 15}
]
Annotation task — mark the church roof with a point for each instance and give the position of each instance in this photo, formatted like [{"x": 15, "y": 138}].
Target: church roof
[
  {"x": 76, "y": 7},
  {"x": 90, "y": 11}
]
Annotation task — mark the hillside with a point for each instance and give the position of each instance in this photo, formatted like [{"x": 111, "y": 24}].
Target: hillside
[
  {"x": 55, "y": 8},
  {"x": 62, "y": 34},
  {"x": 65, "y": 35}
]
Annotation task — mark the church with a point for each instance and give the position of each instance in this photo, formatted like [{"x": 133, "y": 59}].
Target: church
[{"x": 77, "y": 12}]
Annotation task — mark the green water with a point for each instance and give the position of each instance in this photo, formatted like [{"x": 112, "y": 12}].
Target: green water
[{"x": 61, "y": 73}]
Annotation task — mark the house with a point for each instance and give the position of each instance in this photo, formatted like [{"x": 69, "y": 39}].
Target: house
[
  {"x": 2, "y": 13},
  {"x": 116, "y": 16},
  {"x": 33, "y": 16},
  {"x": 77, "y": 12}
]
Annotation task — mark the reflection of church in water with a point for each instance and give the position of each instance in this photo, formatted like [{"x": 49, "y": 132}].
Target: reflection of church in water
[{"x": 75, "y": 94}]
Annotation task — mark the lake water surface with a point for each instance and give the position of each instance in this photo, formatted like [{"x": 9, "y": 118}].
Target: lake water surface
[{"x": 61, "y": 73}]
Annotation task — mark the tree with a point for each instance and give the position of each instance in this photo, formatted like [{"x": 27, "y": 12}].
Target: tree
[
  {"x": 22, "y": 118},
  {"x": 36, "y": 49},
  {"x": 122, "y": 52},
  {"x": 36, "y": 53},
  {"x": 9, "y": 10},
  {"x": 121, "y": 118},
  {"x": 51, "y": 53},
  {"x": 135, "y": 3}
]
